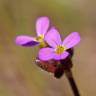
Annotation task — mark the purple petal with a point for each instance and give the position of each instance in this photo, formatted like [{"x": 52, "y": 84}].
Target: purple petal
[
  {"x": 42, "y": 25},
  {"x": 61, "y": 56},
  {"x": 64, "y": 55},
  {"x": 46, "y": 54},
  {"x": 25, "y": 40},
  {"x": 53, "y": 37},
  {"x": 71, "y": 40}
]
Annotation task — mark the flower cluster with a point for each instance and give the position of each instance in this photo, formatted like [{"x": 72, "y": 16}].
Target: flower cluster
[{"x": 56, "y": 49}]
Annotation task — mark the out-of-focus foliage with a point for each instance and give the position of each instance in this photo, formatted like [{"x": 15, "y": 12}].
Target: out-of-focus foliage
[{"x": 19, "y": 76}]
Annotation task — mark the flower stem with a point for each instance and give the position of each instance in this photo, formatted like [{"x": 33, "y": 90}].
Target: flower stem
[{"x": 71, "y": 80}]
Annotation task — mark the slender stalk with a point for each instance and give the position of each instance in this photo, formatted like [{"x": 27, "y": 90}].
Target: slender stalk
[{"x": 71, "y": 80}]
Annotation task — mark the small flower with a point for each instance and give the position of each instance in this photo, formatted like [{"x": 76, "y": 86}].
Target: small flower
[
  {"x": 42, "y": 25},
  {"x": 59, "y": 48}
]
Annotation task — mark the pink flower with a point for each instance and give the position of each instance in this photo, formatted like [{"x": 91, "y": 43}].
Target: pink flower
[
  {"x": 58, "y": 50},
  {"x": 42, "y": 25}
]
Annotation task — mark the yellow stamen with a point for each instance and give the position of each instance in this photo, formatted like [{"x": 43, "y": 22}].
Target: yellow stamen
[
  {"x": 41, "y": 41},
  {"x": 59, "y": 49},
  {"x": 40, "y": 38}
]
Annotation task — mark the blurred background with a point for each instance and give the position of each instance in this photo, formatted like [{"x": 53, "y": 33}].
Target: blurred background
[{"x": 19, "y": 75}]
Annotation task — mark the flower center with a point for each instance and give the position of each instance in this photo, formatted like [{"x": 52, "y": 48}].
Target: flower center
[
  {"x": 41, "y": 41},
  {"x": 59, "y": 49},
  {"x": 40, "y": 38}
]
